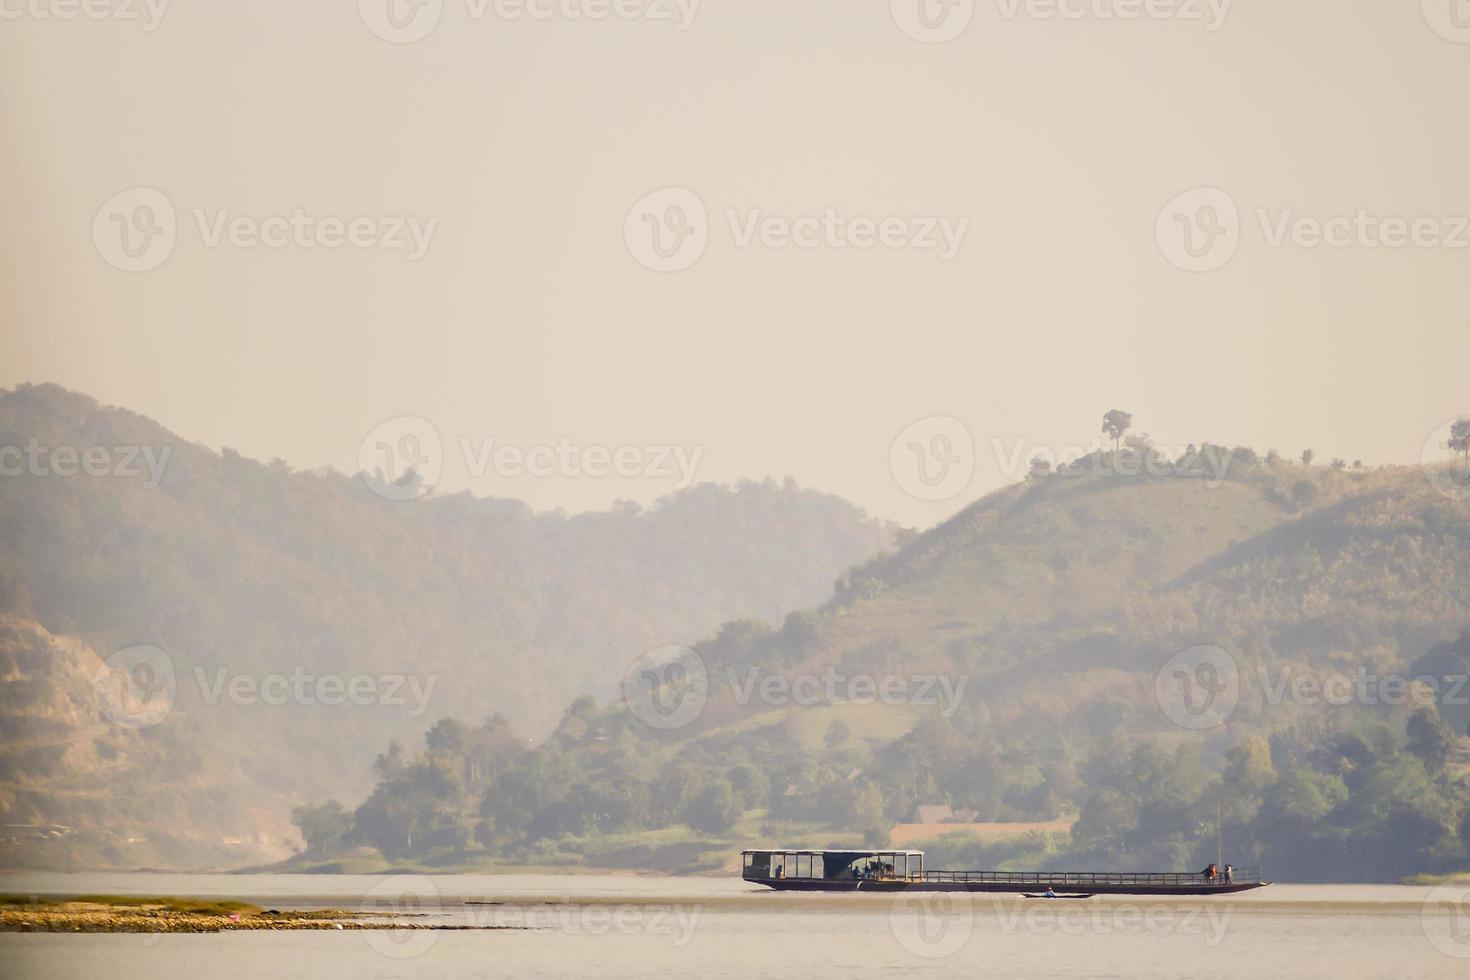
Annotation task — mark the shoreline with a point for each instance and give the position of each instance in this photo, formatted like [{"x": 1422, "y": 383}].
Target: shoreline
[{"x": 173, "y": 916}]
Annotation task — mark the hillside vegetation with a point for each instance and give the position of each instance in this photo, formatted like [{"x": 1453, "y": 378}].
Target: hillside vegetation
[
  {"x": 1047, "y": 621},
  {"x": 240, "y": 571}
]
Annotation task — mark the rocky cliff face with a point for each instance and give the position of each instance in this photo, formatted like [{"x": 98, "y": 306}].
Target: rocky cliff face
[{"x": 78, "y": 782}]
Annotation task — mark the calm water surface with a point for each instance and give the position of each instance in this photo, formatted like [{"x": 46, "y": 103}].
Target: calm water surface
[{"x": 618, "y": 926}]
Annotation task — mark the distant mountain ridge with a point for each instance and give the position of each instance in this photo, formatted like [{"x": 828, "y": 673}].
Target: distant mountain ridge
[
  {"x": 1134, "y": 653},
  {"x": 1279, "y": 564},
  {"x": 1051, "y": 607},
  {"x": 235, "y": 568}
]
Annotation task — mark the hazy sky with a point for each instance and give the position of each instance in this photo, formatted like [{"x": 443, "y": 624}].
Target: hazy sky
[{"x": 1052, "y": 149}]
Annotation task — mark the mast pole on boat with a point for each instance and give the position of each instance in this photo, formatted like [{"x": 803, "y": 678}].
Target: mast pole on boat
[{"x": 1219, "y": 851}]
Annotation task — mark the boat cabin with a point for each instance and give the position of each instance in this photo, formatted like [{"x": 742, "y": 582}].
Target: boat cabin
[{"x": 788, "y": 864}]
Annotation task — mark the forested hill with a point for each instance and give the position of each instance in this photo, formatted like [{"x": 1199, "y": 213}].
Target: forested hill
[
  {"x": 1123, "y": 647},
  {"x": 238, "y": 568}
]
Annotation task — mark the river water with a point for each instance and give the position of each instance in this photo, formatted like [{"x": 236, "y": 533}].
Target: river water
[{"x": 606, "y": 926}]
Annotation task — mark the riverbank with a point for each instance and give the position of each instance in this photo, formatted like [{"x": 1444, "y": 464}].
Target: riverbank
[
  {"x": 116, "y": 913},
  {"x": 1454, "y": 878},
  {"x": 638, "y": 926}
]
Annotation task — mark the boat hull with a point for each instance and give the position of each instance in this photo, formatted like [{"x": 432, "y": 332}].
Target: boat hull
[{"x": 872, "y": 885}]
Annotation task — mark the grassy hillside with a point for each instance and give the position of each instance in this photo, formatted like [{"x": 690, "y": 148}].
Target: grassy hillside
[
  {"x": 1048, "y": 613},
  {"x": 1089, "y": 573}
]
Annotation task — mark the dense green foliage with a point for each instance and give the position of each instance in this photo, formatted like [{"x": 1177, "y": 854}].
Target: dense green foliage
[
  {"x": 1060, "y": 600},
  {"x": 1348, "y": 799}
]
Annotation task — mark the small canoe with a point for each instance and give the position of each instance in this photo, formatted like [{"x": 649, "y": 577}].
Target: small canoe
[{"x": 1057, "y": 895}]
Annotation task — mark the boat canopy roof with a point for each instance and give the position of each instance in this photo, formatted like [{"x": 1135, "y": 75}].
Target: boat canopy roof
[
  {"x": 850, "y": 855},
  {"x": 831, "y": 865}
]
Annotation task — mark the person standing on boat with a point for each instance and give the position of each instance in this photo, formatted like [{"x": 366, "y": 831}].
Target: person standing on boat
[{"x": 1229, "y": 873}]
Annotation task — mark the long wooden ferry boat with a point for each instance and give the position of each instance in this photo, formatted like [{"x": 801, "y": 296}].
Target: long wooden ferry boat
[{"x": 891, "y": 871}]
